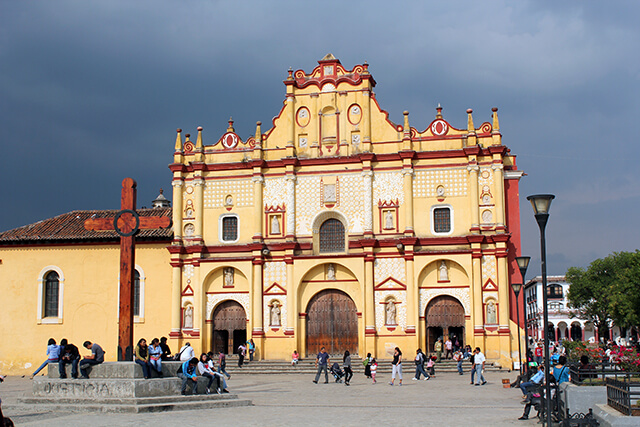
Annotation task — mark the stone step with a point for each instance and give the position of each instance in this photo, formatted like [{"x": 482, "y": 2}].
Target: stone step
[{"x": 175, "y": 403}]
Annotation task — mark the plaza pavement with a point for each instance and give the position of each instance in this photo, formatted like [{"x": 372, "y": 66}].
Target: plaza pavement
[{"x": 293, "y": 400}]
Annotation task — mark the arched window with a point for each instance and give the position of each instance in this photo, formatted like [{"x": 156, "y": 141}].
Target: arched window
[
  {"x": 554, "y": 291},
  {"x": 136, "y": 293},
  {"x": 51, "y": 294},
  {"x": 332, "y": 236}
]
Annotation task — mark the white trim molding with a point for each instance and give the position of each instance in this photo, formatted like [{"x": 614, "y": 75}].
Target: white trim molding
[{"x": 40, "y": 306}]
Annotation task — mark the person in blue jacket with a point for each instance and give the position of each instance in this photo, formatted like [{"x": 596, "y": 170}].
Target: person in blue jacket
[{"x": 187, "y": 372}]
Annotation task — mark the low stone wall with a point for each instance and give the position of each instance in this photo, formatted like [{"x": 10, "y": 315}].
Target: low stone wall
[
  {"x": 129, "y": 370},
  {"x": 581, "y": 398}
]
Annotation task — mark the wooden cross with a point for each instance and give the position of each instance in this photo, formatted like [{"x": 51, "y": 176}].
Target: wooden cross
[{"x": 127, "y": 223}]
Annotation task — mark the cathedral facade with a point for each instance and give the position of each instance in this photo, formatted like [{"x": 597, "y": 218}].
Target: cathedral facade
[
  {"x": 334, "y": 227},
  {"x": 339, "y": 228}
]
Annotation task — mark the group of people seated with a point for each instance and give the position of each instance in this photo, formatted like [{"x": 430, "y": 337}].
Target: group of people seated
[
  {"x": 205, "y": 366},
  {"x": 531, "y": 388},
  {"x": 68, "y": 354}
]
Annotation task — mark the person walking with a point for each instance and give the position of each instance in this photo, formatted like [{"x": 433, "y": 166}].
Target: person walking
[
  {"x": 367, "y": 365},
  {"x": 252, "y": 349},
  {"x": 419, "y": 361},
  {"x": 222, "y": 364},
  {"x": 242, "y": 351},
  {"x": 322, "y": 360},
  {"x": 458, "y": 357},
  {"x": 346, "y": 365},
  {"x": 448, "y": 345},
  {"x": 438, "y": 348},
  {"x": 478, "y": 365},
  {"x": 53, "y": 354},
  {"x": 396, "y": 367},
  {"x": 373, "y": 369}
]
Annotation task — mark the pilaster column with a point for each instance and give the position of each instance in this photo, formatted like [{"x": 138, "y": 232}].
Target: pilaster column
[
  {"x": 367, "y": 177},
  {"x": 369, "y": 301},
  {"x": 498, "y": 183},
  {"x": 177, "y": 185},
  {"x": 176, "y": 297},
  {"x": 292, "y": 296},
  {"x": 474, "y": 198},
  {"x": 478, "y": 311},
  {"x": 198, "y": 301},
  {"x": 291, "y": 205},
  {"x": 366, "y": 121},
  {"x": 256, "y": 297},
  {"x": 198, "y": 183},
  {"x": 413, "y": 298},
  {"x": 503, "y": 288},
  {"x": 407, "y": 175},
  {"x": 292, "y": 126},
  {"x": 258, "y": 213},
  {"x": 314, "y": 125}
]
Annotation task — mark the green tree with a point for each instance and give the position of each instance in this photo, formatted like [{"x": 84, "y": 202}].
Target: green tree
[{"x": 608, "y": 290}]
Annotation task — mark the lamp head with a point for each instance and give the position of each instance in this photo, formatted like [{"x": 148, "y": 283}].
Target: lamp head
[
  {"x": 541, "y": 203},
  {"x": 523, "y": 264},
  {"x": 516, "y": 288}
]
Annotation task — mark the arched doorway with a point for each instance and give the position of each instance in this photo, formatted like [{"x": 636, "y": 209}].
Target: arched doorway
[
  {"x": 576, "y": 332},
  {"x": 229, "y": 327},
  {"x": 444, "y": 317},
  {"x": 332, "y": 322}
]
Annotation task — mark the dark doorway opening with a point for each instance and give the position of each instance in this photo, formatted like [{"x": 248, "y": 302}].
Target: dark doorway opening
[
  {"x": 332, "y": 322},
  {"x": 229, "y": 327},
  {"x": 444, "y": 317}
]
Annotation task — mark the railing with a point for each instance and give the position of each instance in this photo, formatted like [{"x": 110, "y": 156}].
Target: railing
[
  {"x": 623, "y": 392},
  {"x": 593, "y": 375}
]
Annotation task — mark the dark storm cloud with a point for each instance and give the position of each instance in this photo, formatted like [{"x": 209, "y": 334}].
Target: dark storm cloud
[{"x": 92, "y": 92}]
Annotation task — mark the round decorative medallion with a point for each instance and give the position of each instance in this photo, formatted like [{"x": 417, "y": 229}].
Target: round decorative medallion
[
  {"x": 189, "y": 229},
  {"x": 486, "y": 199},
  {"x": 354, "y": 114},
  {"x": 487, "y": 216},
  {"x": 328, "y": 88},
  {"x": 303, "y": 116},
  {"x": 229, "y": 140},
  {"x": 189, "y": 189},
  {"x": 126, "y": 223},
  {"x": 439, "y": 127},
  {"x": 485, "y": 174},
  {"x": 440, "y": 191}
]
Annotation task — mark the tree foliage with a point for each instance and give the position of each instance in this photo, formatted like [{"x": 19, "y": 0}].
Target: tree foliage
[{"x": 608, "y": 290}]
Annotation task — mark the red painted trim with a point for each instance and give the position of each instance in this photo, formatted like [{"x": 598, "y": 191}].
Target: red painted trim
[
  {"x": 445, "y": 287},
  {"x": 226, "y": 292}
]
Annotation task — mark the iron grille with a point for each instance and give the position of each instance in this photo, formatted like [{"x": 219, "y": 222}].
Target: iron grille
[
  {"x": 52, "y": 287},
  {"x": 229, "y": 228},
  {"x": 442, "y": 220},
  {"x": 331, "y": 236}
]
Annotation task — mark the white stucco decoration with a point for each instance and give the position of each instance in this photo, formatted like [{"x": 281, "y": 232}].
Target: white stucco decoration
[
  {"x": 489, "y": 269},
  {"x": 216, "y": 191},
  {"x": 461, "y": 294},
  {"x": 401, "y": 309},
  {"x": 388, "y": 186},
  {"x": 274, "y": 192},
  {"x": 454, "y": 182},
  {"x": 274, "y": 272},
  {"x": 214, "y": 299},
  {"x": 384, "y": 268}
]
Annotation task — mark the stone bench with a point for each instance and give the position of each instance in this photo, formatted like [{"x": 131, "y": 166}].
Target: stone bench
[{"x": 129, "y": 370}]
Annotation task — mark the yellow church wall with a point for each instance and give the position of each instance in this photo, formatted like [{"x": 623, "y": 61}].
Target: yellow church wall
[{"x": 89, "y": 301}]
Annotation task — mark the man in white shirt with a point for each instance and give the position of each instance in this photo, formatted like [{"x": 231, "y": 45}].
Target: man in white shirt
[
  {"x": 186, "y": 352},
  {"x": 478, "y": 365}
]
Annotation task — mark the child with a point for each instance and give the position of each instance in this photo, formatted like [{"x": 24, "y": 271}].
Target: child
[
  {"x": 430, "y": 366},
  {"x": 294, "y": 358},
  {"x": 374, "y": 368}
]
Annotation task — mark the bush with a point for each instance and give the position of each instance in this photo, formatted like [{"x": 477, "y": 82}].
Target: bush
[{"x": 576, "y": 349}]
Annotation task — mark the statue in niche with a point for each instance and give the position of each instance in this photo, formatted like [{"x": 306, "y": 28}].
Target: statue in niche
[
  {"x": 188, "y": 317},
  {"x": 228, "y": 277},
  {"x": 275, "y": 225},
  {"x": 274, "y": 314},
  {"x": 443, "y": 275},
  {"x": 388, "y": 220},
  {"x": 331, "y": 272},
  {"x": 391, "y": 313},
  {"x": 492, "y": 313}
]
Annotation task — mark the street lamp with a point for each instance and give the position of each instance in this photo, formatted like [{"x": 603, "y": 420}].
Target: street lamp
[
  {"x": 541, "y": 204},
  {"x": 523, "y": 264},
  {"x": 516, "y": 290}
]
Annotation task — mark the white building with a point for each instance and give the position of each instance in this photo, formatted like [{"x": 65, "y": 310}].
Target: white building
[{"x": 563, "y": 322}]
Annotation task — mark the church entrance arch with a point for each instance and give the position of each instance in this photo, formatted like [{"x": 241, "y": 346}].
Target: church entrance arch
[
  {"x": 229, "y": 327},
  {"x": 444, "y": 317},
  {"x": 332, "y": 322}
]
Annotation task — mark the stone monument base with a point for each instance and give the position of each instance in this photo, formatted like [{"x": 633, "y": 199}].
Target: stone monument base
[{"x": 119, "y": 387}]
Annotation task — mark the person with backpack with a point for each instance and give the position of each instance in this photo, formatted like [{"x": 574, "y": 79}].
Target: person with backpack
[
  {"x": 186, "y": 353},
  {"x": 242, "y": 351},
  {"x": 419, "y": 361},
  {"x": 367, "y": 365},
  {"x": 187, "y": 373}
]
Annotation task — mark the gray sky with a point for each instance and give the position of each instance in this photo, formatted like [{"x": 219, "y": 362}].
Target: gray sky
[{"x": 92, "y": 91}]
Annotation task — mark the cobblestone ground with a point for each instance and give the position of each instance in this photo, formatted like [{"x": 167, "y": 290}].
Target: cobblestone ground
[{"x": 279, "y": 400}]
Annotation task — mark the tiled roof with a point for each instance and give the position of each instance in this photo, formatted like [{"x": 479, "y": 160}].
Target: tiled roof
[{"x": 69, "y": 227}]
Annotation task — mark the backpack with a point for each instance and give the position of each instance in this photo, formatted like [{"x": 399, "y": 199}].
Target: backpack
[{"x": 179, "y": 371}]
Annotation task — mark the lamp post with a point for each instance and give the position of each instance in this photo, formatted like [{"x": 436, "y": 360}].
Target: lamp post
[
  {"x": 516, "y": 290},
  {"x": 523, "y": 264},
  {"x": 541, "y": 204}
]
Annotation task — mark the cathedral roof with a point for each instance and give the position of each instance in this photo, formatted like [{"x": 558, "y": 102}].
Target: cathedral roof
[{"x": 69, "y": 228}]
